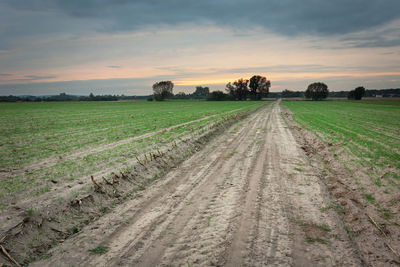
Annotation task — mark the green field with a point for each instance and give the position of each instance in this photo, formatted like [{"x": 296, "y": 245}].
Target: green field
[
  {"x": 389, "y": 102},
  {"x": 40, "y": 142},
  {"x": 363, "y": 135}
]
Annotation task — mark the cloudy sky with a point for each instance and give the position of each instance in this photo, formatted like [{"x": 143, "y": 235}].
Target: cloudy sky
[{"x": 123, "y": 47}]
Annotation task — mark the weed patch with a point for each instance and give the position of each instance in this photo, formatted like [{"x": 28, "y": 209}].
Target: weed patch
[{"x": 99, "y": 250}]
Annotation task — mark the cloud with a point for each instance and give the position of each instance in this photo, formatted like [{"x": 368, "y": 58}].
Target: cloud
[
  {"x": 5, "y": 74},
  {"x": 114, "y": 67},
  {"x": 385, "y": 36},
  {"x": 287, "y": 17}
]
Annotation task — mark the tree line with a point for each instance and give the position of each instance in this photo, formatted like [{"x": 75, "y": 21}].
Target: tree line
[
  {"x": 339, "y": 94},
  {"x": 255, "y": 88},
  {"x": 66, "y": 97}
]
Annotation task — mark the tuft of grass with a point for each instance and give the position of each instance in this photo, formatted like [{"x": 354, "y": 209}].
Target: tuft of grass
[
  {"x": 334, "y": 206},
  {"x": 378, "y": 182},
  {"x": 42, "y": 190},
  {"x": 386, "y": 191},
  {"x": 386, "y": 214},
  {"x": 370, "y": 198},
  {"x": 312, "y": 240},
  {"x": 99, "y": 250},
  {"x": 325, "y": 227},
  {"x": 298, "y": 169},
  {"x": 349, "y": 232},
  {"x": 31, "y": 211},
  {"x": 74, "y": 230},
  {"x": 104, "y": 209}
]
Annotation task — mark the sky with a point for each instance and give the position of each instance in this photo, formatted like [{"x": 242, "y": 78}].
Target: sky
[{"x": 123, "y": 47}]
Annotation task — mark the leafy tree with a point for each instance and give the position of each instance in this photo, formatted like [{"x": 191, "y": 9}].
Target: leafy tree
[
  {"x": 238, "y": 90},
  {"x": 201, "y": 92},
  {"x": 359, "y": 92},
  {"x": 259, "y": 87},
  {"x": 317, "y": 91},
  {"x": 163, "y": 90}
]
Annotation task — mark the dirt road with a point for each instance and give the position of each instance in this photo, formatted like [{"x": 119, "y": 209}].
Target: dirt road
[{"x": 249, "y": 198}]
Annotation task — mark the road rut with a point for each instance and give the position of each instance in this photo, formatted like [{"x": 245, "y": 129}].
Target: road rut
[{"x": 249, "y": 198}]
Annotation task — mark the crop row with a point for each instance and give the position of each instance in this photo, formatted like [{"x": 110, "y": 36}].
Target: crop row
[{"x": 30, "y": 133}]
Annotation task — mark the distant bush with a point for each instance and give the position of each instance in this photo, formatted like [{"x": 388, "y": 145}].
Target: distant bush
[
  {"x": 357, "y": 93},
  {"x": 317, "y": 91},
  {"x": 350, "y": 94},
  {"x": 217, "y": 96},
  {"x": 287, "y": 93},
  {"x": 181, "y": 95}
]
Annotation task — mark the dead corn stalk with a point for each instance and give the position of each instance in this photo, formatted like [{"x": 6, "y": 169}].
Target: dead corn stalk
[
  {"x": 380, "y": 229},
  {"x": 139, "y": 162},
  {"x": 95, "y": 184},
  {"x": 3, "y": 249}
]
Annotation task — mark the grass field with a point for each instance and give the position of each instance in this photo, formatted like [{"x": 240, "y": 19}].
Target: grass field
[
  {"x": 389, "y": 102},
  {"x": 364, "y": 136},
  {"x": 43, "y": 142}
]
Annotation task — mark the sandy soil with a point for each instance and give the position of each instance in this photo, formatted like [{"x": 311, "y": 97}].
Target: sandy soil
[{"x": 249, "y": 198}]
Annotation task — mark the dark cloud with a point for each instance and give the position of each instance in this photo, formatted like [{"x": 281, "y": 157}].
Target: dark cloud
[
  {"x": 114, "y": 67},
  {"x": 287, "y": 17},
  {"x": 265, "y": 70},
  {"x": 5, "y": 74}
]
